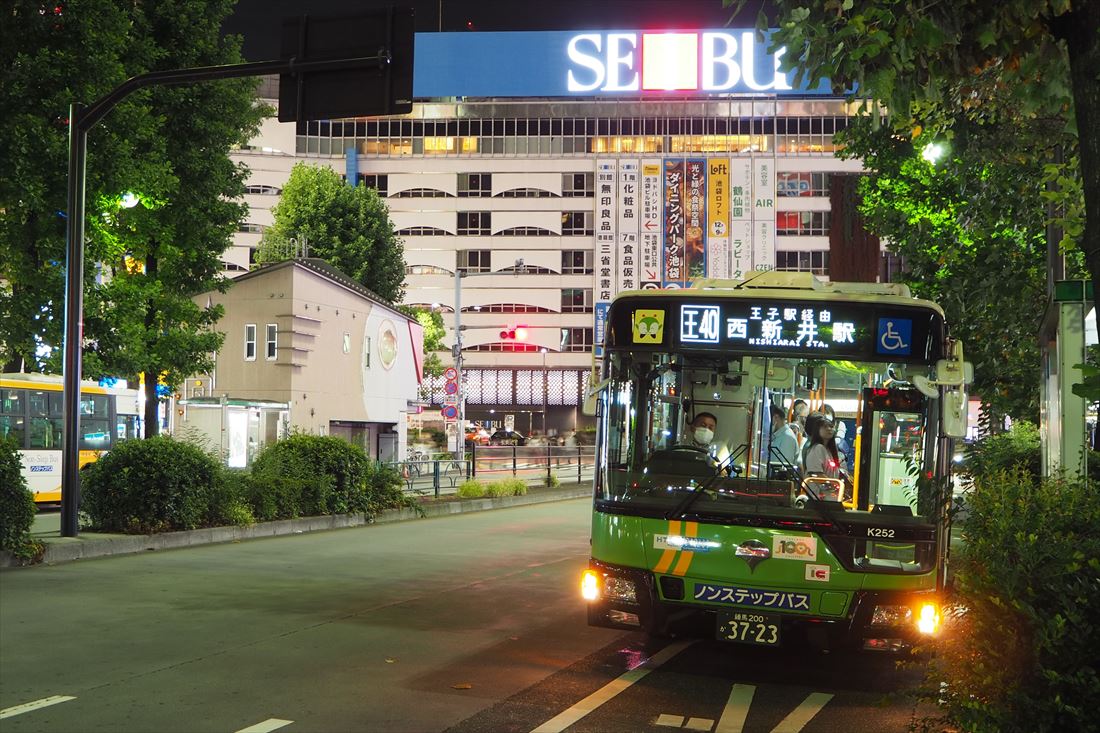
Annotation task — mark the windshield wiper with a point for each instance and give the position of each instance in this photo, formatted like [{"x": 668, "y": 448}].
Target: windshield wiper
[{"x": 684, "y": 505}]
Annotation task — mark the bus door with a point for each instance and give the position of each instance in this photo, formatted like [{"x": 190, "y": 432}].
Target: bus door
[{"x": 892, "y": 431}]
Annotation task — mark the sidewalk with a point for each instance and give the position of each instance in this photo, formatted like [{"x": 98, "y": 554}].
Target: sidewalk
[{"x": 47, "y": 527}]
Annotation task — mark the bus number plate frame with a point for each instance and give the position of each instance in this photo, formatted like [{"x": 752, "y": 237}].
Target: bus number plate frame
[{"x": 750, "y": 627}]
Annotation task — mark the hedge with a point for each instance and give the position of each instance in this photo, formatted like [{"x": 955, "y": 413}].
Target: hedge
[{"x": 17, "y": 508}]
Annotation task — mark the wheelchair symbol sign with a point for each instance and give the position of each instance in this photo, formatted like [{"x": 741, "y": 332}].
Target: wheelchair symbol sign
[{"x": 895, "y": 336}]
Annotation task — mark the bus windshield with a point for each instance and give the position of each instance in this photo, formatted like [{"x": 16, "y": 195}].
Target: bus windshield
[{"x": 782, "y": 438}]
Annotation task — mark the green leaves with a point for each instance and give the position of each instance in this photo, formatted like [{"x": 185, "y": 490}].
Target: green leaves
[{"x": 348, "y": 227}]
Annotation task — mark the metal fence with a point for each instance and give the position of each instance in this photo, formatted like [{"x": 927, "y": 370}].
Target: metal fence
[{"x": 535, "y": 465}]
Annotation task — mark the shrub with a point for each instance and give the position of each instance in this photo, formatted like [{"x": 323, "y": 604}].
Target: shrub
[
  {"x": 514, "y": 487},
  {"x": 471, "y": 489},
  {"x": 386, "y": 490},
  {"x": 150, "y": 486},
  {"x": 552, "y": 482},
  {"x": 1023, "y": 654},
  {"x": 1004, "y": 451},
  {"x": 16, "y": 501},
  {"x": 302, "y": 459}
]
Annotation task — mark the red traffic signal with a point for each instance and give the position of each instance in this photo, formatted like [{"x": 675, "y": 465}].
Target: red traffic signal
[{"x": 514, "y": 333}]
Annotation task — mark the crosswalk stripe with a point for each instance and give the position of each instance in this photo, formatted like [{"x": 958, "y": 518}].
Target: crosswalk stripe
[
  {"x": 803, "y": 714},
  {"x": 35, "y": 705},
  {"x": 266, "y": 726},
  {"x": 566, "y": 718},
  {"x": 736, "y": 710}
]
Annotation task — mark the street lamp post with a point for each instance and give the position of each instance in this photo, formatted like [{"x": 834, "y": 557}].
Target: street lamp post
[
  {"x": 545, "y": 395},
  {"x": 457, "y": 354}
]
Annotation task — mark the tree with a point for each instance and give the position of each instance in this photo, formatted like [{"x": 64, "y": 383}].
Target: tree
[
  {"x": 170, "y": 145},
  {"x": 936, "y": 65},
  {"x": 348, "y": 227},
  {"x": 432, "y": 323},
  {"x": 971, "y": 230},
  {"x": 71, "y": 52}
]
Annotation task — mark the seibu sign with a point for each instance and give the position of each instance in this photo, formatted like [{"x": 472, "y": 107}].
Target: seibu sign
[
  {"x": 602, "y": 63},
  {"x": 712, "y": 61}
]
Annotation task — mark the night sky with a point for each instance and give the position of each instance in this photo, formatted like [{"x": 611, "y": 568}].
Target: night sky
[{"x": 259, "y": 21}]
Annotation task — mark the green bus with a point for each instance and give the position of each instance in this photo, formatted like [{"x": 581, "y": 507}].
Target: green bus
[{"x": 735, "y": 537}]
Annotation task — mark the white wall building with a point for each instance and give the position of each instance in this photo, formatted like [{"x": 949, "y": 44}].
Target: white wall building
[{"x": 605, "y": 161}]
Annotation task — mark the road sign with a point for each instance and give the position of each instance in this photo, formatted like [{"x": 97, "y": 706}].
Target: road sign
[
  {"x": 449, "y": 412},
  {"x": 450, "y": 387},
  {"x": 450, "y": 374},
  {"x": 450, "y": 399}
]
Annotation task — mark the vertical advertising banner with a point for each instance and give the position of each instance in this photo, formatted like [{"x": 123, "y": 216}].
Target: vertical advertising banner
[
  {"x": 605, "y": 243},
  {"x": 674, "y": 261},
  {"x": 629, "y": 200},
  {"x": 718, "y": 218},
  {"x": 763, "y": 213},
  {"x": 740, "y": 217},
  {"x": 651, "y": 274},
  {"x": 696, "y": 197}
]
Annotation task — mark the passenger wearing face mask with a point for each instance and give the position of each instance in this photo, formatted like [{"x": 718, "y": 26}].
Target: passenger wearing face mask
[{"x": 701, "y": 431}]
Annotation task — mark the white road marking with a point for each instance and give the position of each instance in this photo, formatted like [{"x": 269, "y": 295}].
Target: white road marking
[
  {"x": 736, "y": 710},
  {"x": 29, "y": 706},
  {"x": 699, "y": 724},
  {"x": 672, "y": 721},
  {"x": 802, "y": 714},
  {"x": 266, "y": 726},
  {"x": 566, "y": 718}
]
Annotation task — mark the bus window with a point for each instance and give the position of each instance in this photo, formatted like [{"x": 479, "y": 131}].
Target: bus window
[
  {"x": 46, "y": 404},
  {"x": 16, "y": 427},
  {"x": 12, "y": 402},
  {"x": 126, "y": 427},
  {"x": 95, "y": 435},
  {"x": 45, "y": 431},
  {"x": 94, "y": 405}
]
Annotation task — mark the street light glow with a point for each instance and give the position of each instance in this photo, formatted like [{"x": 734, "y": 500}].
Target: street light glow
[
  {"x": 932, "y": 152},
  {"x": 129, "y": 200}
]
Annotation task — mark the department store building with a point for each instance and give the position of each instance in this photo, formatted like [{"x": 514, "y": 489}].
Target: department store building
[{"x": 603, "y": 161}]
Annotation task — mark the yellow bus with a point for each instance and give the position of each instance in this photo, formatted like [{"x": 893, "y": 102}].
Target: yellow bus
[{"x": 31, "y": 412}]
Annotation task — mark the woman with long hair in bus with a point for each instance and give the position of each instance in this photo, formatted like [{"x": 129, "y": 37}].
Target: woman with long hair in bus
[{"x": 820, "y": 455}]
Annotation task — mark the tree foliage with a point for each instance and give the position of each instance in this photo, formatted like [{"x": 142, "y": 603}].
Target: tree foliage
[
  {"x": 971, "y": 228},
  {"x": 348, "y": 227},
  {"x": 432, "y": 323},
  {"x": 941, "y": 66},
  {"x": 168, "y": 145}
]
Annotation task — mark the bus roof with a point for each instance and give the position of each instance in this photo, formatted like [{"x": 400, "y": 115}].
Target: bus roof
[
  {"x": 54, "y": 383},
  {"x": 796, "y": 285}
]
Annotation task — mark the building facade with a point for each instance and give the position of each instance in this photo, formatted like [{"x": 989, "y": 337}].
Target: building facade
[
  {"x": 556, "y": 169},
  {"x": 306, "y": 349}
]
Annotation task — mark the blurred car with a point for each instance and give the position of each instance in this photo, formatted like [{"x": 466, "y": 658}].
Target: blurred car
[
  {"x": 506, "y": 437},
  {"x": 477, "y": 437}
]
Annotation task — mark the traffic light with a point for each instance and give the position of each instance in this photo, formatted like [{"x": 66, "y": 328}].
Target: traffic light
[{"x": 513, "y": 333}]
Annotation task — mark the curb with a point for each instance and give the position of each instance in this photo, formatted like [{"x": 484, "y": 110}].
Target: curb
[{"x": 91, "y": 546}]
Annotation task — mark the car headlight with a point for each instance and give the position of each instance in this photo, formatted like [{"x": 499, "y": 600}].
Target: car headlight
[
  {"x": 928, "y": 620},
  {"x": 593, "y": 586}
]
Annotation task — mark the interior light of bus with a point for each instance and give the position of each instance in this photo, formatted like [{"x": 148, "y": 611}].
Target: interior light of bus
[
  {"x": 928, "y": 620},
  {"x": 590, "y": 586}
]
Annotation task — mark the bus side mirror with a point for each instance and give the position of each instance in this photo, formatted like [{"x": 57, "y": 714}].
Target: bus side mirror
[
  {"x": 593, "y": 396},
  {"x": 955, "y": 411}
]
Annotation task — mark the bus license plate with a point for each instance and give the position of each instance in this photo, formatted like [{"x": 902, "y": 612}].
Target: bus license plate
[{"x": 746, "y": 627}]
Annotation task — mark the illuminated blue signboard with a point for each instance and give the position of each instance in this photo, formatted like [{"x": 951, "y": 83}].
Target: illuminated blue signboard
[{"x": 599, "y": 63}]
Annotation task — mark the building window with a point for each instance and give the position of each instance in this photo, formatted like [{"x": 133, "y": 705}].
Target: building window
[
  {"x": 802, "y": 223},
  {"x": 815, "y": 262},
  {"x": 366, "y": 352},
  {"x": 250, "y": 342},
  {"x": 250, "y": 228},
  {"x": 379, "y": 182},
  {"x": 475, "y": 222},
  {"x": 506, "y": 308},
  {"x": 475, "y": 185},
  {"x": 272, "y": 341},
  {"x": 425, "y": 270},
  {"x": 577, "y": 185},
  {"x": 347, "y": 342},
  {"x": 576, "y": 223},
  {"x": 576, "y": 339},
  {"x": 525, "y": 193},
  {"x": 802, "y": 184},
  {"x": 527, "y": 232},
  {"x": 421, "y": 193},
  {"x": 473, "y": 260},
  {"x": 576, "y": 262},
  {"x": 263, "y": 190},
  {"x": 576, "y": 300}
]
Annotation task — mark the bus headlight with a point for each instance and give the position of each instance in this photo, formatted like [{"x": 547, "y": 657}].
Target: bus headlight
[
  {"x": 928, "y": 620},
  {"x": 891, "y": 616},
  {"x": 590, "y": 586}
]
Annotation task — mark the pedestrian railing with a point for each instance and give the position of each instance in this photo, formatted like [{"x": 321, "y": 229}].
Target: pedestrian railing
[{"x": 534, "y": 464}]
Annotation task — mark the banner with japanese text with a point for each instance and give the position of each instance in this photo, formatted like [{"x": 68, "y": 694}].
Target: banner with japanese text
[
  {"x": 763, "y": 213},
  {"x": 651, "y": 274},
  {"x": 674, "y": 258},
  {"x": 718, "y": 217},
  {"x": 695, "y": 180},
  {"x": 628, "y": 225}
]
